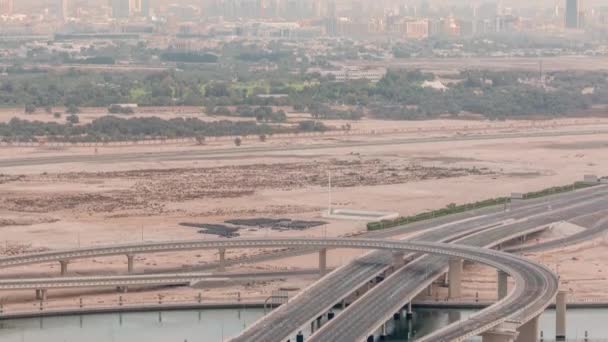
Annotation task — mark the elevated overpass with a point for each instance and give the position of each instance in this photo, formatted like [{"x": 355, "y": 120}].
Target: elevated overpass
[
  {"x": 535, "y": 285},
  {"x": 586, "y": 200},
  {"x": 316, "y": 300}
]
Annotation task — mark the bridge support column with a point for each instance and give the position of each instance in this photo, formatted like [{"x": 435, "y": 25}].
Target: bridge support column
[
  {"x": 560, "y": 316},
  {"x": 130, "y": 263},
  {"x": 496, "y": 337},
  {"x": 312, "y": 327},
  {"x": 398, "y": 260},
  {"x": 64, "y": 267},
  {"x": 429, "y": 290},
  {"x": 41, "y": 294},
  {"x": 530, "y": 331},
  {"x": 455, "y": 278},
  {"x": 222, "y": 266},
  {"x": 323, "y": 261},
  {"x": 503, "y": 285},
  {"x": 383, "y": 332},
  {"x": 410, "y": 313}
]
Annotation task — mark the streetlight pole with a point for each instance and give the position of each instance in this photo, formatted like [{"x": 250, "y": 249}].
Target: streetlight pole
[{"x": 329, "y": 211}]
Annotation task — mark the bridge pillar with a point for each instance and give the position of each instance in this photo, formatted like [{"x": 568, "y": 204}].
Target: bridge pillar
[
  {"x": 398, "y": 260},
  {"x": 560, "y": 316},
  {"x": 312, "y": 327},
  {"x": 383, "y": 332},
  {"x": 41, "y": 294},
  {"x": 222, "y": 266},
  {"x": 122, "y": 289},
  {"x": 410, "y": 312},
  {"x": 323, "y": 261},
  {"x": 496, "y": 337},
  {"x": 64, "y": 267},
  {"x": 130, "y": 263},
  {"x": 503, "y": 285},
  {"x": 429, "y": 290},
  {"x": 455, "y": 278},
  {"x": 530, "y": 331}
]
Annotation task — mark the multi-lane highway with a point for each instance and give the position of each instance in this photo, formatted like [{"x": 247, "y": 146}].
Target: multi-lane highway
[
  {"x": 597, "y": 229},
  {"x": 214, "y": 153},
  {"x": 164, "y": 279},
  {"x": 389, "y": 296},
  {"x": 317, "y": 299},
  {"x": 525, "y": 273},
  {"x": 485, "y": 230},
  {"x": 400, "y": 288}
]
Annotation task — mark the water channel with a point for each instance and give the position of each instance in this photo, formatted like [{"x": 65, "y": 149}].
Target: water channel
[{"x": 219, "y": 325}]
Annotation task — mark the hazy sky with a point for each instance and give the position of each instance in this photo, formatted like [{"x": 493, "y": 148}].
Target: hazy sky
[{"x": 23, "y": 5}]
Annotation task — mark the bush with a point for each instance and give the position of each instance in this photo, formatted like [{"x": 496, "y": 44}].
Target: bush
[
  {"x": 312, "y": 126},
  {"x": 73, "y": 119},
  {"x": 72, "y": 109},
  {"x": 117, "y": 109},
  {"x": 30, "y": 108}
]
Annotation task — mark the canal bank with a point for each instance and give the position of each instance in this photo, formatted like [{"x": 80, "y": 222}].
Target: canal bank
[
  {"x": 43, "y": 310},
  {"x": 215, "y": 325}
]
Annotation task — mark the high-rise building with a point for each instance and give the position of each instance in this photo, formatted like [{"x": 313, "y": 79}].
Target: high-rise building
[
  {"x": 120, "y": 8},
  {"x": 135, "y": 6},
  {"x": 572, "y": 14},
  {"x": 63, "y": 9},
  {"x": 145, "y": 8},
  {"x": 6, "y": 7}
]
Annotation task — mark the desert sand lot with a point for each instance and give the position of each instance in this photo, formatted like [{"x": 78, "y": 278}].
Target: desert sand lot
[{"x": 74, "y": 196}]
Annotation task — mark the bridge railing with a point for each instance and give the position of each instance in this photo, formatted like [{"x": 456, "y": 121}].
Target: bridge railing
[{"x": 121, "y": 303}]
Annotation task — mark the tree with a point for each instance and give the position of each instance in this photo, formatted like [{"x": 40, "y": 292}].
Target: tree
[
  {"x": 56, "y": 115},
  {"x": 30, "y": 108},
  {"x": 238, "y": 141},
  {"x": 73, "y": 119},
  {"x": 72, "y": 109},
  {"x": 200, "y": 140},
  {"x": 263, "y": 137},
  {"x": 48, "y": 109}
]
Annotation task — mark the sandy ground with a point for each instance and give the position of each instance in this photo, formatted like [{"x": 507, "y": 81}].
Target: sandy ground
[{"x": 58, "y": 206}]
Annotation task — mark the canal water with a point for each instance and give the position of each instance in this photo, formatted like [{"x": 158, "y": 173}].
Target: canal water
[{"x": 219, "y": 325}]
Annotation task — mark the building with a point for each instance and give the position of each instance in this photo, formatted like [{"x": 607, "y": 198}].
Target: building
[
  {"x": 63, "y": 9},
  {"x": 572, "y": 21},
  {"x": 134, "y": 6},
  {"x": 139, "y": 7},
  {"x": 418, "y": 29},
  {"x": 6, "y": 7},
  {"x": 120, "y": 8},
  {"x": 352, "y": 73}
]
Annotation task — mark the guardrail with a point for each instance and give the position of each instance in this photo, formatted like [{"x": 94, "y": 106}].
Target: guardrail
[{"x": 122, "y": 303}]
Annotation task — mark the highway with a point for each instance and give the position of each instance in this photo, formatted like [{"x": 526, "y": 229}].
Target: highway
[
  {"x": 214, "y": 153},
  {"x": 317, "y": 299},
  {"x": 389, "y": 296},
  {"x": 586, "y": 200},
  {"x": 523, "y": 271},
  {"x": 597, "y": 229},
  {"x": 355, "y": 323},
  {"x": 165, "y": 279}
]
